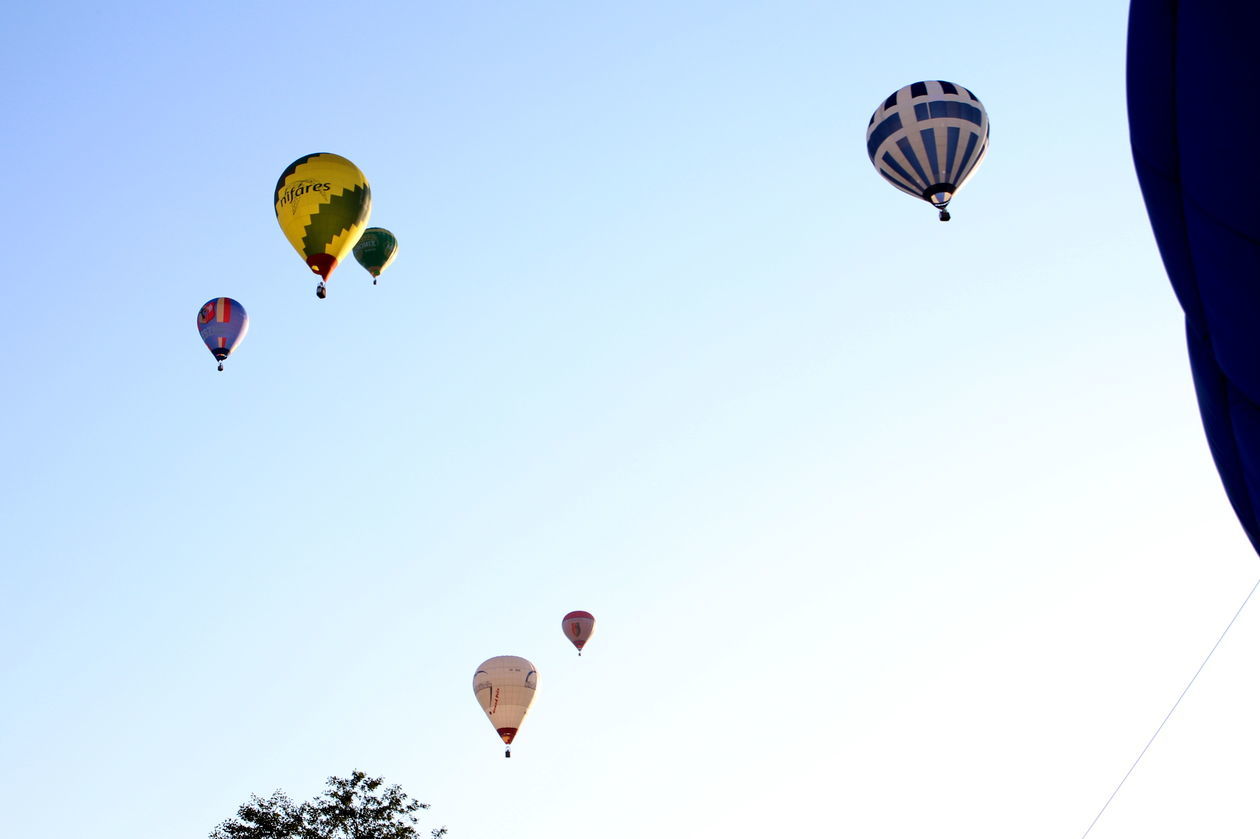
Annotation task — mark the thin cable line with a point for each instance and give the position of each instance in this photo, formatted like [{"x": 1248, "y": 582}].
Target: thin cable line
[{"x": 1170, "y": 710}]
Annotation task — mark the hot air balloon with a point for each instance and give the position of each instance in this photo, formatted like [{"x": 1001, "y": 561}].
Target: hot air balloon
[
  {"x": 375, "y": 250},
  {"x": 578, "y": 628},
  {"x": 505, "y": 686},
  {"x": 222, "y": 323},
  {"x": 927, "y": 139},
  {"x": 322, "y": 203},
  {"x": 1191, "y": 69}
]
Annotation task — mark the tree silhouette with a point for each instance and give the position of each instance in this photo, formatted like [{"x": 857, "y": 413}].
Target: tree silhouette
[{"x": 357, "y": 807}]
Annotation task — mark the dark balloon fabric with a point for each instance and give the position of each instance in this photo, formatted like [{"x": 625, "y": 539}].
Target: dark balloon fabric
[{"x": 1193, "y": 86}]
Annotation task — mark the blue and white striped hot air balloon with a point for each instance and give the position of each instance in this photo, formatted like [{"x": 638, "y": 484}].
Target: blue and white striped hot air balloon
[{"x": 927, "y": 139}]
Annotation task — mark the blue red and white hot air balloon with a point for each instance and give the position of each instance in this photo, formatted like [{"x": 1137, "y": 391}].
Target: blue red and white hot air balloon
[{"x": 223, "y": 324}]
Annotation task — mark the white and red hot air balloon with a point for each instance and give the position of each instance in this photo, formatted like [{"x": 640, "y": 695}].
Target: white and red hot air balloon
[
  {"x": 578, "y": 628},
  {"x": 505, "y": 687}
]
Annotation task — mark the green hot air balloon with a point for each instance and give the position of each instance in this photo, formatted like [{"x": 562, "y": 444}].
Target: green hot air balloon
[{"x": 375, "y": 250}]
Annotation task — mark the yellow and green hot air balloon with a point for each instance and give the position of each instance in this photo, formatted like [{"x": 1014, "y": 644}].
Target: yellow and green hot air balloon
[
  {"x": 322, "y": 203},
  {"x": 376, "y": 249}
]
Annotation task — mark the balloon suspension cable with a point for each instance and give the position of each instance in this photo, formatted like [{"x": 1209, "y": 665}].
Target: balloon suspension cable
[{"x": 1184, "y": 691}]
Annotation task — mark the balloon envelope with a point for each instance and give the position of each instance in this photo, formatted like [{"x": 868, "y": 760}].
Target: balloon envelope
[
  {"x": 1192, "y": 72},
  {"x": 505, "y": 687},
  {"x": 223, "y": 324},
  {"x": 578, "y": 628},
  {"x": 322, "y": 203},
  {"x": 376, "y": 249},
  {"x": 927, "y": 139}
]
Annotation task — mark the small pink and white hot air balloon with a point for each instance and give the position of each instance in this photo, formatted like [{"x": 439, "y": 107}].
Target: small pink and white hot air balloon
[{"x": 578, "y": 628}]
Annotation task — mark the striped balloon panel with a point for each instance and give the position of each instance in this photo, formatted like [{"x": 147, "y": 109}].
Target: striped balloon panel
[
  {"x": 928, "y": 135},
  {"x": 505, "y": 687},
  {"x": 223, "y": 324}
]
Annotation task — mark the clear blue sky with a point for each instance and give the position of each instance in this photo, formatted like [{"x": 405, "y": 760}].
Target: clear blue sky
[{"x": 892, "y": 528}]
